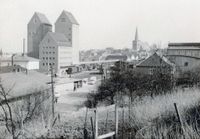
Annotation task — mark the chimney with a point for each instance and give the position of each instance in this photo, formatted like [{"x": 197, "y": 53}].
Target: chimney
[{"x": 24, "y": 43}]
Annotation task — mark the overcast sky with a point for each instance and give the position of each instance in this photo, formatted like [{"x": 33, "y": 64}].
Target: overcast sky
[{"x": 106, "y": 23}]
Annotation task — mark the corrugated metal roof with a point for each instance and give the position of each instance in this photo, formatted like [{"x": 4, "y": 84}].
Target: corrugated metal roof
[{"x": 185, "y": 44}]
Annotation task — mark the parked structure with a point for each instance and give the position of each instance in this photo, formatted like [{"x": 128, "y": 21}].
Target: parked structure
[{"x": 186, "y": 56}]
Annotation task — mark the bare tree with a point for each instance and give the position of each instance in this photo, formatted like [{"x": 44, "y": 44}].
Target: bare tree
[{"x": 21, "y": 110}]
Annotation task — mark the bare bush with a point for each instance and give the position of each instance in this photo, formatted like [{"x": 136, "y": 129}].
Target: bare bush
[{"x": 19, "y": 111}]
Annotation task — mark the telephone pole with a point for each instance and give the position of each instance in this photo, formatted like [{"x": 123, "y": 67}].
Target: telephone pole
[{"x": 52, "y": 89}]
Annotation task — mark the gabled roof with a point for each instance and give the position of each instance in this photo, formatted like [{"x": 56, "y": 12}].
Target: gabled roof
[
  {"x": 22, "y": 84},
  {"x": 155, "y": 60},
  {"x": 43, "y": 19},
  {"x": 69, "y": 16},
  {"x": 25, "y": 58},
  {"x": 58, "y": 38}
]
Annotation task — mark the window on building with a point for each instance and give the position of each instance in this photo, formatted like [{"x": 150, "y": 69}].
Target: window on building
[
  {"x": 186, "y": 64},
  {"x": 46, "y": 58},
  {"x": 63, "y": 20},
  {"x": 151, "y": 71},
  {"x": 43, "y": 64},
  {"x": 50, "y": 64},
  {"x": 43, "y": 58},
  {"x": 53, "y": 52},
  {"x": 46, "y": 52},
  {"x": 47, "y": 64},
  {"x": 49, "y": 52},
  {"x": 50, "y": 58},
  {"x": 53, "y": 63},
  {"x": 53, "y": 58}
]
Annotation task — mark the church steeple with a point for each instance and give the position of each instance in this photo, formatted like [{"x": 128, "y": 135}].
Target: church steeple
[{"x": 136, "y": 34}]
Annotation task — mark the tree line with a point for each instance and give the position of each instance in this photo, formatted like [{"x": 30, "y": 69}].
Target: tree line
[{"x": 133, "y": 83}]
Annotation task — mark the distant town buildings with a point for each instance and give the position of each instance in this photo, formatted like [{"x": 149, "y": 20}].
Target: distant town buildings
[
  {"x": 115, "y": 57},
  {"x": 59, "y": 49}
]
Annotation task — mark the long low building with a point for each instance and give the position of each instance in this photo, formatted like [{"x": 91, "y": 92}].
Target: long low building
[
  {"x": 186, "y": 56},
  {"x": 24, "y": 61},
  {"x": 22, "y": 85}
]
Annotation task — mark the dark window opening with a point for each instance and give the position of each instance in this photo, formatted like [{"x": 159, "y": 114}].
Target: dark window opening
[{"x": 186, "y": 64}]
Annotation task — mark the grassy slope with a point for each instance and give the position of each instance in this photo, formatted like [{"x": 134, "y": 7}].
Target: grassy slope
[
  {"x": 147, "y": 109},
  {"x": 144, "y": 113}
]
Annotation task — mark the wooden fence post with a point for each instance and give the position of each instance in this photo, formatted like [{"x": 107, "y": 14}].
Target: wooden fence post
[
  {"x": 92, "y": 124},
  {"x": 179, "y": 119},
  {"x": 96, "y": 123},
  {"x": 116, "y": 121},
  {"x": 106, "y": 122}
]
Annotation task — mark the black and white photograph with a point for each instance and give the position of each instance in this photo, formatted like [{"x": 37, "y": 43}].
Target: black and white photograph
[{"x": 99, "y": 69}]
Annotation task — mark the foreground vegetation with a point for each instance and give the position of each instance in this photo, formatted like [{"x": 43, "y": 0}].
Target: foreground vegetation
[
  {"x": 151, "y": 117},
  {"x": 146, "y": 109},
  {"x": 156, "y": 117}
]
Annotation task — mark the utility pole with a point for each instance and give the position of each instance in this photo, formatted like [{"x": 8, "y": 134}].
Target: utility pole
[
  {"x": 96, "y": 123},
  {"x": 12, "y": 59},
  {"x": 52, "y": 89}
]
